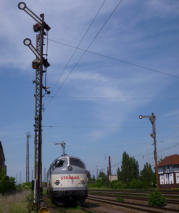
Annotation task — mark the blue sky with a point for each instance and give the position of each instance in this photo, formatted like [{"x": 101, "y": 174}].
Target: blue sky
[{"x": 130, "y": 68}]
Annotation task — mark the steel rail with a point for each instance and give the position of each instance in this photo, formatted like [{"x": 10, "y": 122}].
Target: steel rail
[
  {"x": 140, "y": 207},
  {"x": 169, "y": 193},
  {"x": 133, "y": 196}
]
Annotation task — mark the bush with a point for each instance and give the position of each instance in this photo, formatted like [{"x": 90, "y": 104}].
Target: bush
[
  {"x": 117, "y": 185},
  {"x": 7, "y": 184},
  {"x": 120, "y": 199},
  {"x": 26, "y": 186},
  {"x": 136, "y": 184},
  {"x": 156, "y": 199}
]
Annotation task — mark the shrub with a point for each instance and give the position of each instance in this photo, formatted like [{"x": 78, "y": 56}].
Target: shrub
[
  {"x": 136, "y": 184},
  {"x": 99, "y": 183},
  {"x": 7, "y": 184},
  {"x": 26, "y": 186},
  {"x": 156, "y": 199},
  {"x": 117, "y": 185},
  {"x": 120, "y": 199}
]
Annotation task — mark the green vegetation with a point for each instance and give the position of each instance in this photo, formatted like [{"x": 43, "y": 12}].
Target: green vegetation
[
  {"x": 13, "y": 199},
  {"x": 7, "y": 184},
  {"x": 129, "y": 168},
  {"x": 156, "y": 199},
  {"x": 24, "y": 186},
  {"x": 120, "y": 199},
  {"x": 147, "y": 175},
  {"x": 128, "y": 176},
  {"x": 14, "y": 203}
]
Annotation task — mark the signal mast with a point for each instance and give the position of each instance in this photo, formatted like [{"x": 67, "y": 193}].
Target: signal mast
[{"x": 40, "y": 64}]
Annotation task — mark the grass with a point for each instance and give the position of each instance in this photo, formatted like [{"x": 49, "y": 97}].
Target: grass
[
  {"x": 14, "y": 203},
  {"x": 120, "y": 199}
]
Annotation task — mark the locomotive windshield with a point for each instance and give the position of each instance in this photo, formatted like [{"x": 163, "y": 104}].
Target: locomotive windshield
[
  {"x": 60, "y": 162},
  {"x": 77, "y": 162}
]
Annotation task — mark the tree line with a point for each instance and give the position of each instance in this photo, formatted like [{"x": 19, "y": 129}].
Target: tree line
[{"x": 128, "y": 175}]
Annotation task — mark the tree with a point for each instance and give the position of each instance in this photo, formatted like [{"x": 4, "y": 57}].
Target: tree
[
  {"x": 103, "y": 177},
  {"x": 119, "y": 177},
  {"x": 90, "y": 179},
  {"x": 147, "y": 174},
  {"x": 134, "y": 168},
  {"x": 125, "y": 167},
  {"x": 129, "y": 168},
  {"x": 7, "y": 184}
]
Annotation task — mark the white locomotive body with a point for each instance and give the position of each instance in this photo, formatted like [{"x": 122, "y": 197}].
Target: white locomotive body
[{"x": 67, "y": 179}]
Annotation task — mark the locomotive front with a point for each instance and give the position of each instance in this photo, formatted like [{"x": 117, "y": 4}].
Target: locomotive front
[{"x": 67, "y": 179}]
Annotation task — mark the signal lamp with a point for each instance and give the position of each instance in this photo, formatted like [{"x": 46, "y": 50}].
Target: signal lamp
[
  {"x": 37, "y": 27},
  {"x": 46, "y": 26},
  {"x": 35, "y": 64},
  {"x": 45, "y": 63}
]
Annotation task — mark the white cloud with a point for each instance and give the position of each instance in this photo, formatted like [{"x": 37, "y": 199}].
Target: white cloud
[
  {"x": 172, "y": 113},
  {"x": 163, "y": 7},
  {"x": 86, "y": 76},
  {"x": 97, "y": 134}
]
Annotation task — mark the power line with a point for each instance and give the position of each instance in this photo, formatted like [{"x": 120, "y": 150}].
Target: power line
[
  {"x": 82, "y": 38},
  {"x": 117, "y": 59},
  {"x": 90, "y": 44},
  {"x": 86, "y": 127},
  {"x": 112, "y": 98},
  {"x": 97, "y": 126}
]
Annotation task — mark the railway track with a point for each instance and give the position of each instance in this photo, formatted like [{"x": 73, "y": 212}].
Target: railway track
[
  {"x": 95, "y": 203},
  {"x": 132, "y": 196},
  {"x": 137, "y": 193},
  {"x": 129, "y": 205}
]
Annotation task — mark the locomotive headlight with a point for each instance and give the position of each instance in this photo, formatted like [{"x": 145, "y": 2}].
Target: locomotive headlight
[
  {"x": 69, "y": 168},
  {"x": 57, "y": 182},
  {"x": 82, "y": 182}
]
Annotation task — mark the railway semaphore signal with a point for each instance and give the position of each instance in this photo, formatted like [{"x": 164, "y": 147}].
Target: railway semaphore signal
[
  {"x": 40, "y": 64},
  {"x": 152, "y": 119}
]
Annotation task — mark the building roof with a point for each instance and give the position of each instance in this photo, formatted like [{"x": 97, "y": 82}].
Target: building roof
[
  {"x": 1, "y": 151},
  {"x": 170, "y": 160}
]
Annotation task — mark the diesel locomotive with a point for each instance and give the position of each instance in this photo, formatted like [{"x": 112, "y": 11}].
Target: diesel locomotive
[{"x": 67, "y": 179}]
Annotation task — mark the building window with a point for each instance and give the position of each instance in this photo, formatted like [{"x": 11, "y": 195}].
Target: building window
[{"x": 177, "y": 178}]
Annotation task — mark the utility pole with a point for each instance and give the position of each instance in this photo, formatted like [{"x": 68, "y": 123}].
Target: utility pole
[
  {"x": 152, "y": 119},
  {"x": 27, "y": 158},
  {"x": 109, "y": 166},
  {"x": 45, "y": 174},
  {"x": 97, "y": 172},
  {"x": 40, "y": 64},
  {"x": 32, "y": 175},
  {"x": 20, "y": 177}
]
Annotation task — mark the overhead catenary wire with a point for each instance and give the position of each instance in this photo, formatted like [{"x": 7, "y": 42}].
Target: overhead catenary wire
[
  {"x": 117, "y": 59},
  {"x": 96, "y": 126},
  {"x": 81, "y": 40},
  {"x": 112, "y": 98},
  {"x": 90, "y": 44}
]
